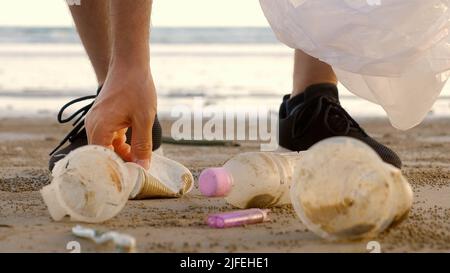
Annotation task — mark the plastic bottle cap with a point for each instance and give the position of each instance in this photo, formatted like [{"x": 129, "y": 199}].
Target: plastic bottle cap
[{"x": 214, "y": 182}]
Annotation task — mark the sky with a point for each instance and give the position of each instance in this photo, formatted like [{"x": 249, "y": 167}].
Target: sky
[{"x": 165, "y": 13}]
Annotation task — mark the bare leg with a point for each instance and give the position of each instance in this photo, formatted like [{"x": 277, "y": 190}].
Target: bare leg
[
  {"x": 93, "y": 25},
  {"x": 128, "y": 97},
  {"x": 306, "y": 120},
  {"x": 308, "y": 71},
  {"x": 115, "y": 34}
]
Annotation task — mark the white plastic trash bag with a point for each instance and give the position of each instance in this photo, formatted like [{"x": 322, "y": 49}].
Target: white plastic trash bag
[{"x": 395, "y": 53}]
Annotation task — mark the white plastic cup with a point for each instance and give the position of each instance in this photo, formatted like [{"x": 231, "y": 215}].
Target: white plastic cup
[
  {"x": 343, "y": 190},
  {"x": 92, "y": 184}
]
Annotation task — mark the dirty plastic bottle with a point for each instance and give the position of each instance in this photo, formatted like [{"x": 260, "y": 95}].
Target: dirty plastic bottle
[
  {"x": 340, "y": 188},
  {"x": 92, "y": 184},
  {"x": 251, "y": 180},
  {"x": 343, "y": 190}
]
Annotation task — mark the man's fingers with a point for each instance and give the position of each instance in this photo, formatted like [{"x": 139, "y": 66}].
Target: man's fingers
[
  {"x": 120, "y": 145},
  {"x": 100, "y": 135},
  {"x": 124, "y": 151},
  {"x": 120, "y": 136},
  {"x": 141, "y": 142}
]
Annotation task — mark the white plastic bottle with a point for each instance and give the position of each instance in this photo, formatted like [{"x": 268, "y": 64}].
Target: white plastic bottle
[
  {"x": 251, "y": 180},
  {"x": 92, "y": 184}
]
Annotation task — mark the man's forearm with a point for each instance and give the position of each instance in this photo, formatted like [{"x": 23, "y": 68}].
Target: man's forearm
[{"x": 130, "y": 20}]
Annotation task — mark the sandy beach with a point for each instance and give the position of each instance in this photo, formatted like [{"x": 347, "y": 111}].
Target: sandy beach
[{"x": 177, "y": 225}]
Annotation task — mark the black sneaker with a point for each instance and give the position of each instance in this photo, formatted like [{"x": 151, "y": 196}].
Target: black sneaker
[
  {"x": 78, "y": 137},
  {"x": 317, "y": 114}
]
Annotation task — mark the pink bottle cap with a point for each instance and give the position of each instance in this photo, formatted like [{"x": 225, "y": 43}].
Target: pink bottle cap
[{"x": 214, "y": 182}]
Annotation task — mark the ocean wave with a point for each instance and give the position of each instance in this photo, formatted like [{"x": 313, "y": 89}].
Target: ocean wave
[{"x": 160, "y": 35}]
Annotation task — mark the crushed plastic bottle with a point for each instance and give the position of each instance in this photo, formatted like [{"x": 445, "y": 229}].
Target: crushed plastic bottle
[
  {"x": 122, "y": 242},
  {"x": 92, "y": 184},
  {"x": 343, "y": 190}
]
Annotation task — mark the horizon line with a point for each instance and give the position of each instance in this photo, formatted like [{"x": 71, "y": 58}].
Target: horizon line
[{"x": 66, "y": 26}]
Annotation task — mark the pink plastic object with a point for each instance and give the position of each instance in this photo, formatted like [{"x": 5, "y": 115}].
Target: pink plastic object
[
  {"x": 237, "y": 218},
  {"x": 214, "y": 182}
]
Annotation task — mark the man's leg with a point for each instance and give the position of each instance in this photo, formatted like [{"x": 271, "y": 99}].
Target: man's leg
[
  {"x": 310, "y": 71},
  {"x": 93, "y": 25},
  {"x": 94, "y": 22},
  {"x": 128, "y": 97},
  {"x": 313, "y": 111}
]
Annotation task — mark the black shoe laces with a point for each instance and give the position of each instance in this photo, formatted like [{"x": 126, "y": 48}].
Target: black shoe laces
[
  {"x": 335, "y": 118},
  {"x": 78, "y": 115}
]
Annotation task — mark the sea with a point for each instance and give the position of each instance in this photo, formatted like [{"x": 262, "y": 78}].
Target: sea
[{"x": 41, "y": 69}]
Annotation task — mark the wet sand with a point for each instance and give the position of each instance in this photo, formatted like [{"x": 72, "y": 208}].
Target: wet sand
[{"x": 177, "y": 225}]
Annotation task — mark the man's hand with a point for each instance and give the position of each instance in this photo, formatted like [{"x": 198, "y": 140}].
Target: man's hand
[{"x": 127, "y": 99}]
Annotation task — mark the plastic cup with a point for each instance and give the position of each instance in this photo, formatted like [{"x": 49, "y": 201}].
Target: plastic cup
[
  {"x": 343, "y": 190},
  {"x": 165, "y": 179},
  {"x": 91, "y": 184}
]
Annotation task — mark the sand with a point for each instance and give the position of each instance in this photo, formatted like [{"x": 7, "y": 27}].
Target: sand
[{"x": 177, "y": 225}]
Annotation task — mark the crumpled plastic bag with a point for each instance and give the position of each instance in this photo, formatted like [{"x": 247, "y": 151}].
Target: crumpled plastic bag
[{"x": 395, "y": 53}]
